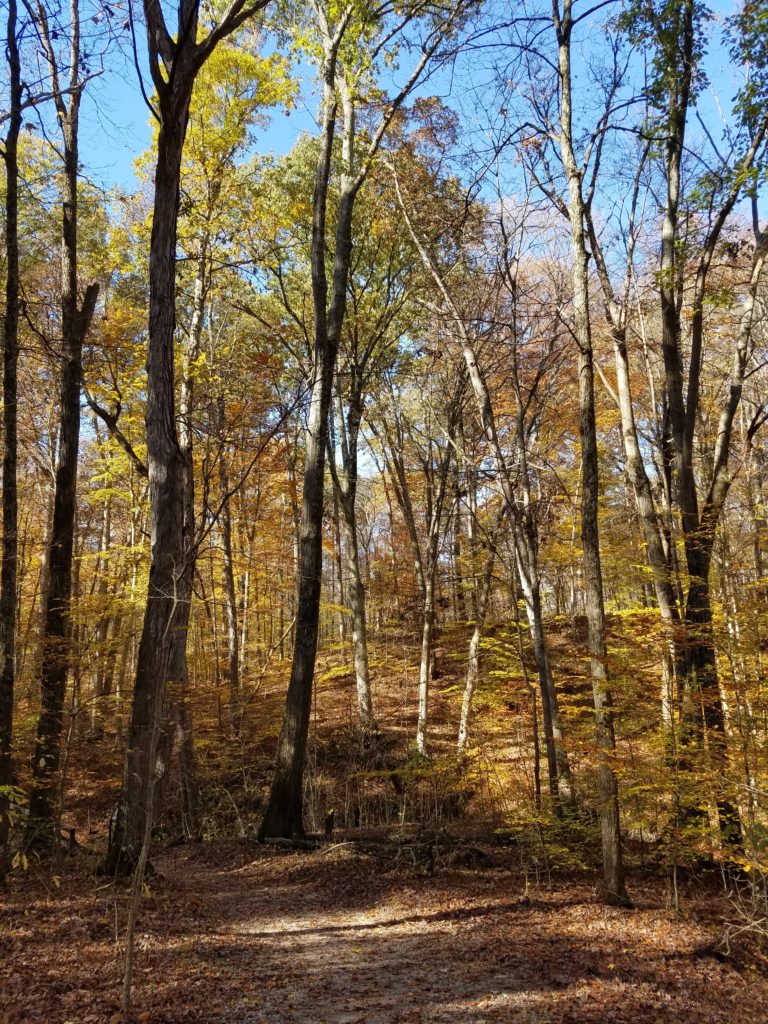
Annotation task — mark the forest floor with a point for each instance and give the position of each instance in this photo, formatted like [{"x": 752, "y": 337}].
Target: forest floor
[{"x": 231, "y": 934}]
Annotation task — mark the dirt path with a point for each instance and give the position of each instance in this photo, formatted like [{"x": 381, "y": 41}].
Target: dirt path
[{"x": 315, "y": 939}]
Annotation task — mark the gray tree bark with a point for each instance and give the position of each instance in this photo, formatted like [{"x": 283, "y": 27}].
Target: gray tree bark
[
  {"x": 174, "y": 64},
  {"x": 8, "y": 573},
  {"x": 613, "y": 870},
  {"x": 75, "y": 322},
  {"x": 345, "y": 486},
  {"x": 473, "y": 659},
  {"x": 284, "y": 813}
]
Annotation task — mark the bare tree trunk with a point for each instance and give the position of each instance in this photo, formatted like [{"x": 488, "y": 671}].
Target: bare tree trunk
[
  {"x": 613, "y": 870},
  {"x": 102, "y": 630},
  {"x": 230, "y": 593},
  {"x": 531, "y": 689},
  {"x": 190, "y": 792},
  {"x": 356, "y": 601},
  {"x": 284, "y": 815},
  {"x": 460, "y": 597},
  {"x": 558, "y": 767},
  {"x": 8, "y": 573},
  {"x": 177, "y": 709},
  {"x": 75, "y": 321},
  {"x": 473, "y": 660},
  {"x": 472, "y": 541},
  {"x": 425, "y": 662},
  {"x": 166, "y": 480},
  {"x": 338, "y": 558},
  {"x": 345, "y": 493}
]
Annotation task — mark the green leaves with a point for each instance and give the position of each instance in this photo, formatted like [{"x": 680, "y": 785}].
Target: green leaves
[
  {"x": 16, "y": 798},
  {"x": 748, "y": 32},
  {"x": 675, "y": 36}
]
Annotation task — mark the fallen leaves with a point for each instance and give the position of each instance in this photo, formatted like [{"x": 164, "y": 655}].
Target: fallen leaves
[{"x": 292, "y": 938}]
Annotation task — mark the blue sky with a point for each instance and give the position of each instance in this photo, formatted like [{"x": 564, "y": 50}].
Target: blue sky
[{"x": 115, "y": 124}]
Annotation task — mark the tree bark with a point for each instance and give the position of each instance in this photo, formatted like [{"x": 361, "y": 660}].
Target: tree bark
[
  {"x": 425, "y": 661},
  {"x": 473, "y": 659},
  {"x": 166, "y": 485},
  {"x": 8, "y": 572},
  {"x": 345, "y": 489},
  {"x": 103, "y": 656},
  {"x": 284, "y": 814},
  {"x": 230, "y": 591},
  {"x": 356, "y": 601},
  {"x": 75, "y": 321},
  {"x": 613, "y": 870}
]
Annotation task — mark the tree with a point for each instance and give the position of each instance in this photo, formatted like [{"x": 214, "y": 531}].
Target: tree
[
  {"x": 378, "y": 288},
  {"x": 467, "y": 324},
  {"x": 174, "y": 64},
  {"x": 678, "y": 39},
  {"x": 351, "y": 44},
  {"x": 614, "y": 887},
  {"x": 76, "y": 318},
  {"x": 418, "y": 427},
  {"x": 8, "y": 574}
]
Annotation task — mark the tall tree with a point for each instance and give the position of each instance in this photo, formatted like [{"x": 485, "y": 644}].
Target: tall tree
[
  {"x": 378, "y": 294},
  {"x": 66, "y": 78},
  {"x": 677, "y": 36},
  {"x": 613, "y": 870},
  {"x": 174, "y": 62},
  {"x": 410, "y": 437},
  {"x": 352, "y": 41},
  {"x": 10, "y": 499}
]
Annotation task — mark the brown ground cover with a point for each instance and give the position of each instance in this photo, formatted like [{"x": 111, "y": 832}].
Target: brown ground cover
[{"x": 231, "y": 935}]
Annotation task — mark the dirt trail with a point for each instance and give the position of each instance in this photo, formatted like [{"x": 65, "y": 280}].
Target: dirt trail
[{"x": 321, "y": 939}]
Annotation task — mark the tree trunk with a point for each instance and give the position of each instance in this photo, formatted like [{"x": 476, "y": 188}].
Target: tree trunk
[
  {"x": 340, "y": 597},
  {"x": 75, "y": 321},
  {"x": 165, "y": 599},
  {"x": 613, "y": 871},
  {"x": 102, "y": 631},
  {"x": 10, "y": 499},
  {"x": 345, "y": 493},
  {"x": 190, "y": 791},
  {"x": 460, "y": 597},
  {"x": 284, "y": 814},
  {"x": 425, "y": 662},
  {"x": 558, "y": 767},
  {"x": 473, "y": 659},
  {"x": 230, "y": 595},
  {"x": 356, "y": 600}
]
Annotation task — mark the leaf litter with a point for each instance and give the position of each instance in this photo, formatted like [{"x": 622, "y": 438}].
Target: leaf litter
[{"x": 230, "y": 935}]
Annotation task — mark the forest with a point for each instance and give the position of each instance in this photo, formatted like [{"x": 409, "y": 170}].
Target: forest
[{"x": 384, "y": 532}]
